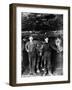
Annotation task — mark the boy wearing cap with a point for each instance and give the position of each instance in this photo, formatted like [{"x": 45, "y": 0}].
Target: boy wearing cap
[
  {"x": 30, "y": 48},
  {"x": 46, "y": 57}
]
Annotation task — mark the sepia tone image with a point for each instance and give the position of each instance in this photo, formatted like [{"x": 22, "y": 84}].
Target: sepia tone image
[{"x": 41, "y": 44}]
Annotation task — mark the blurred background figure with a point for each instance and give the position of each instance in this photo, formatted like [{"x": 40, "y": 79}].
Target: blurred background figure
[
  {"x": 25, "y": 59},
  {"x": 39, "y": 48}
]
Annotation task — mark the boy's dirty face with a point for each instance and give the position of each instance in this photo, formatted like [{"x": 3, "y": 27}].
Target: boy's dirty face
[
  {"x": 57, "y": 42},
  {"x": 30, "y": 38},
  {"x": 46, "y": 39}
]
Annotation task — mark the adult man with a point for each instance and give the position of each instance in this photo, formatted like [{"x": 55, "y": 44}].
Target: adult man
[
  {"x": 57, "y": 57},
  {"x": 46, "y": 57},
  {"x": 30, "y": 48}
]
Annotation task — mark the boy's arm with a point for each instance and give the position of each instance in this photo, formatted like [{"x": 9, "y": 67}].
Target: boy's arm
[{"x": 26, "y": 47}]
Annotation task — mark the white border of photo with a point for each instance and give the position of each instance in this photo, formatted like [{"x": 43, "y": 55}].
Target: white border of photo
[{"x": 64, "y": 77}]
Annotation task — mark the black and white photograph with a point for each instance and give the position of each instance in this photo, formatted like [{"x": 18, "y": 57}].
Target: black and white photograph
[
  {"x": 41, "y": 44},
  {"x": 40, "y": 53}
]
